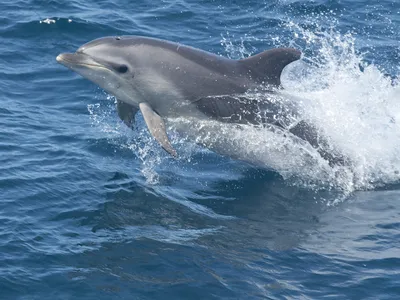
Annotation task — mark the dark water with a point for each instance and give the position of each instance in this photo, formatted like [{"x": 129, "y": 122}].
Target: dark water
[{"x": 91, "y": 210}]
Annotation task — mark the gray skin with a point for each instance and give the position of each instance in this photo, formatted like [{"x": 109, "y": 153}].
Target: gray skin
[{"x": 166, "y": 80}]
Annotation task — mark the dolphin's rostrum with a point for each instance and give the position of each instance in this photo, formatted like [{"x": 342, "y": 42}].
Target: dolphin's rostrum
[{"x": 165, "y": 79}]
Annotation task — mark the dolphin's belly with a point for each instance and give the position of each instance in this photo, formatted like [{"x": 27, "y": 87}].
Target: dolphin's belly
[
  {"x": 263, "y": 147},
  {"x": 218, "y": 114}
]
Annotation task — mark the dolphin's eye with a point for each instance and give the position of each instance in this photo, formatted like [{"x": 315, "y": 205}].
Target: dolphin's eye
[{"x": 122, "y": 69}]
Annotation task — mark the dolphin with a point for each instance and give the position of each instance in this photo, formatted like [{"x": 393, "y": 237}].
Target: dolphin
[{"x": 164, "y": 79}]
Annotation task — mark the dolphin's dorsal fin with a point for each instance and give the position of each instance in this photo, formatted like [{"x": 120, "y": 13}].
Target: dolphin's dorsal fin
[
  {"x": 126, "y": 112},
  {"x": 156, "y": 126},
  {"x": 266, "y": 67}
]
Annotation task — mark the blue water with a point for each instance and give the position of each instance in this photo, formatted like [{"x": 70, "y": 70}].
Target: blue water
[{"x": 92, "y": 210}]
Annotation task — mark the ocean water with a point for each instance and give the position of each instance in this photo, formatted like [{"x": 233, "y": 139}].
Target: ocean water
[{"x": 92, "y": 210}]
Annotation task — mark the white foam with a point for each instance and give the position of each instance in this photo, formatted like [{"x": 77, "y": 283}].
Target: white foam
[{"x": 353, "y": 104}]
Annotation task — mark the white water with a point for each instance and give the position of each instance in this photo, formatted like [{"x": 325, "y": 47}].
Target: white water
[{"x": 353, "y": 104}]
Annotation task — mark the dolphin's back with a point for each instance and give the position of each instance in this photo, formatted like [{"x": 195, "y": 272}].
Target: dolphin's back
[
  {"x": 194, "y": 72},
  {"x": 263, "y": 68},
  {"x": 216, "y": 63}
]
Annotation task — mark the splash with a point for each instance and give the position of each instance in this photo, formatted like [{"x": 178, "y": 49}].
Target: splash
[
  {"x": 103, "y": 116},
  {"x": 354, "y": 105}
]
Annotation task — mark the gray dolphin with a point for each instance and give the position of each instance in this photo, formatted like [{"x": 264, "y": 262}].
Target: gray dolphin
[{"x": 164, "y": 79}]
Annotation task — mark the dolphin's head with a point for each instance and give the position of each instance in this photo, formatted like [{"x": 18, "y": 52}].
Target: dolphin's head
[{"x": 105, "y": 62}]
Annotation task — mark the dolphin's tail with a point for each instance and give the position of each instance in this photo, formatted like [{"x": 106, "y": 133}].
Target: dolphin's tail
[{"x": 309, "y": 133}]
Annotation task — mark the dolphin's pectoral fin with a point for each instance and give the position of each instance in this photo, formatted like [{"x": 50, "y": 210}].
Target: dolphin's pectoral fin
[
  {"x": 230, "y": 109},
  {"x": 156, "y": 127},
  {"x": 126, "y": 112},
  {"x": 266, "y": 67}
]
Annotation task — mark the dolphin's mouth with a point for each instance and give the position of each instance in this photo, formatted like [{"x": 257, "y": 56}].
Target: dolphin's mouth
[{"x": 73, "y": 60}]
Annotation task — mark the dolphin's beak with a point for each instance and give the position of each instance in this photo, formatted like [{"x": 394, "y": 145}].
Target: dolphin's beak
[{"x": 74, "y": 60}]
